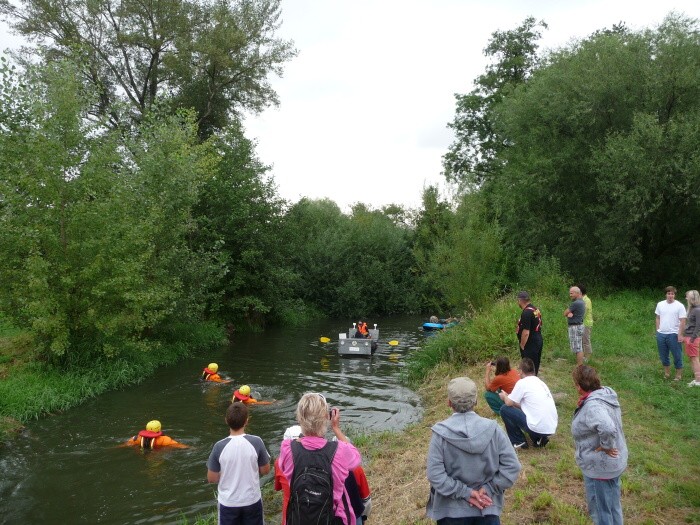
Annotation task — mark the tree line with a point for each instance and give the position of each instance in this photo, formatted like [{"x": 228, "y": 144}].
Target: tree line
[{"x": 131, "y": 199}]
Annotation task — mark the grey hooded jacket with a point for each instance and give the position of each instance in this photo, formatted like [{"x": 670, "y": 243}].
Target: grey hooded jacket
[
  {"x": 468, "y": 452},
  {"x": 597, "y": 423}
]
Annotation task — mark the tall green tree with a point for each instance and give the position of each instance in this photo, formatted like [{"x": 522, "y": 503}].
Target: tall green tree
[
  {"x": 239, "y": 216},
  {"x": 474, "y": 154},
  {"x": 94, "y": 225},
  {"x": 215, "y": 57},
  {"x": 600, "y": 170}
]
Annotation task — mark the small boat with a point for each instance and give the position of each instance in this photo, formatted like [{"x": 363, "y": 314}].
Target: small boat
[
  {"x": 440, "y": 325},
  {"x": 348, "y": 344}
]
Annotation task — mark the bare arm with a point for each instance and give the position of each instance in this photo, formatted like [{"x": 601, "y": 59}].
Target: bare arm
[
  {"x": 508, "y": 401},
  {"x": 524, "y": 336},
  {"x": 264, "y": 470},
  {"x": 213, "y": 477},
  {"x": 681, "y": 329},
  {"x": 487, "y": 375},
  {"x": 657, "y": 323}
]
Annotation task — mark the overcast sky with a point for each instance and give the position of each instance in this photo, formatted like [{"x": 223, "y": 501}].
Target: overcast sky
[{"x": 364, "y": 107}]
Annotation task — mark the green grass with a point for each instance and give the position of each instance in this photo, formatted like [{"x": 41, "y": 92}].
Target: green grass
[
  {"x": 31, "y": 388},
  {"x": 660, "y": 417}
]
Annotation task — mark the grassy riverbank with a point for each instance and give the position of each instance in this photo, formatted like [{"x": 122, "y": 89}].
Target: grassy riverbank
[
  {"x": 30, "y": 388},
  {"x": 660, "y": 418}
]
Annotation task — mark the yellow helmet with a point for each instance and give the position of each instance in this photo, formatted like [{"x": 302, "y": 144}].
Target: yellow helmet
[
  {"x": 153, "y": 426},
  {"x": 213, "y": 367},
  {"x": 244, "y": 390}
]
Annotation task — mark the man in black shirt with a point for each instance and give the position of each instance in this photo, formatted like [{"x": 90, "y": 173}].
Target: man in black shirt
[{"x": 529, "y": 330}]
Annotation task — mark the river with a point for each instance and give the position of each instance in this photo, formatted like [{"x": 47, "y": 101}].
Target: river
[{"x": 67, "y": 468}]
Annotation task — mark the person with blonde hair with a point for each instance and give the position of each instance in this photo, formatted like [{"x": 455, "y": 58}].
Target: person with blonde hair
[
  {"x": 691, "y": 334},
  {"x": 314, "y": 416}
]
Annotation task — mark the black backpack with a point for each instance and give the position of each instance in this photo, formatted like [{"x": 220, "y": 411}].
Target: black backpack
[{"x": 311, "y": 489}]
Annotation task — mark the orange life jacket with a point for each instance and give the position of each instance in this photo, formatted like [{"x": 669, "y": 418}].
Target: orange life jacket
[{"x": 362, "y": 328}]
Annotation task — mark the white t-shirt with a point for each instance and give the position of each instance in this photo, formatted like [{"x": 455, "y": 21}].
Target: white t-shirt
[
  {"x": 670, "y": 315},
  {"x": 237, "y": 459},
  {"x": 537, "y": 402}
]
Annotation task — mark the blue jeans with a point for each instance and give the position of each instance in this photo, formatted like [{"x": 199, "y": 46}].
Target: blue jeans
[
  {"x": 603, "y": 498},
  {"x": 669, "y": 343},
  {"x": 516, "y": 421},
  {"x": 479, "y": 520}
]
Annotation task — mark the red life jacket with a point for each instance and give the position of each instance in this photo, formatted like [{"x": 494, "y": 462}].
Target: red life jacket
[
  {"x": 206, "y": 373},
  {"x": 147, "y": 438},
  {"x": 362, "y": 328}
]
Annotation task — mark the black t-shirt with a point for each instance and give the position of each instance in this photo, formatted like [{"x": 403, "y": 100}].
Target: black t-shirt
[{"x": 530, "y": 319}]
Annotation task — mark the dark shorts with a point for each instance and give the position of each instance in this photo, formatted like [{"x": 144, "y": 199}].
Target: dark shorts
[{"x": 250, "y": 515}]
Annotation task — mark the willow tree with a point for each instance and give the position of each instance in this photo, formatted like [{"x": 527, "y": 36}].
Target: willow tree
[{"x": 213, "y": 56}]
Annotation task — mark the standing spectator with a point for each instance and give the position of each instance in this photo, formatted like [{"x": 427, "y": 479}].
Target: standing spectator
[
  {"x": 574, "y": 317},
  {"x": 601, "y": 451},
  {"x": 314, "y": 416},
  {"x": 529, "y": 330},
  {"x": 470, "y": 463},
  {"x": 691, "y": 335},
  {"x": 670, "y": 326},
  {"x": 587, "y": 323},
  {"x": 529, "y": 407},
  {"x": 281, "y": 482},
  {"x": 235, "y": 463},
  {"x": 356, "y": 484},
  {"x": 505, "y": 379}
]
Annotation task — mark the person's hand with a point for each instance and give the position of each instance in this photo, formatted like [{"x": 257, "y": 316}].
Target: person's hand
[
  {"x": 480, "y": 499},
  {"x": 502, "y": 395},
  {"x": 612, "y": 452},
  {"x": 489, "y": 365},
  {"x": 335, "y": 417}
]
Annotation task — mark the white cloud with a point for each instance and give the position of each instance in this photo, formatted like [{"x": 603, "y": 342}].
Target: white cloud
[{"x": 365, "y": 106}]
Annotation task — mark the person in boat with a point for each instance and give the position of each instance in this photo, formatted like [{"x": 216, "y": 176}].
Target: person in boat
[
  {"x": 242, "y": 395},
  {"x": 210, "y": 373},
  {"x": 152, "y": 437},
  {"x": 362, "y": 330}
]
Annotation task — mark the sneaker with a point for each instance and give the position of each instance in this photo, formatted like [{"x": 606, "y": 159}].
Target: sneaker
[
  {"x": 694, "y": 383},
  {"x": 542, "y": 442},
  {"x": 520, "y": 446}
]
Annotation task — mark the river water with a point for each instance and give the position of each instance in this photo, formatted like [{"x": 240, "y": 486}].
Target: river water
[{"x": 67, "y": 468}]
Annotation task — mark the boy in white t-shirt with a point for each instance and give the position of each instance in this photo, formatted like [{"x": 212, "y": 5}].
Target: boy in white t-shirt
[
  {"x": 670, "y": 324},
  {"x": 529, "y": 407},
  {"x": 235, "y": 463}
]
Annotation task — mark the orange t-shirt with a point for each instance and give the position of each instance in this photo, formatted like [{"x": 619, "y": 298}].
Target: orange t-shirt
[{"x": 505, "y": 382}]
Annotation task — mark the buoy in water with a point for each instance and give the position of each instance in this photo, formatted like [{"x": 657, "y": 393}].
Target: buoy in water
[
  {"x": 325, "y": 339},
  {"x": 393, "y": 343}
]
